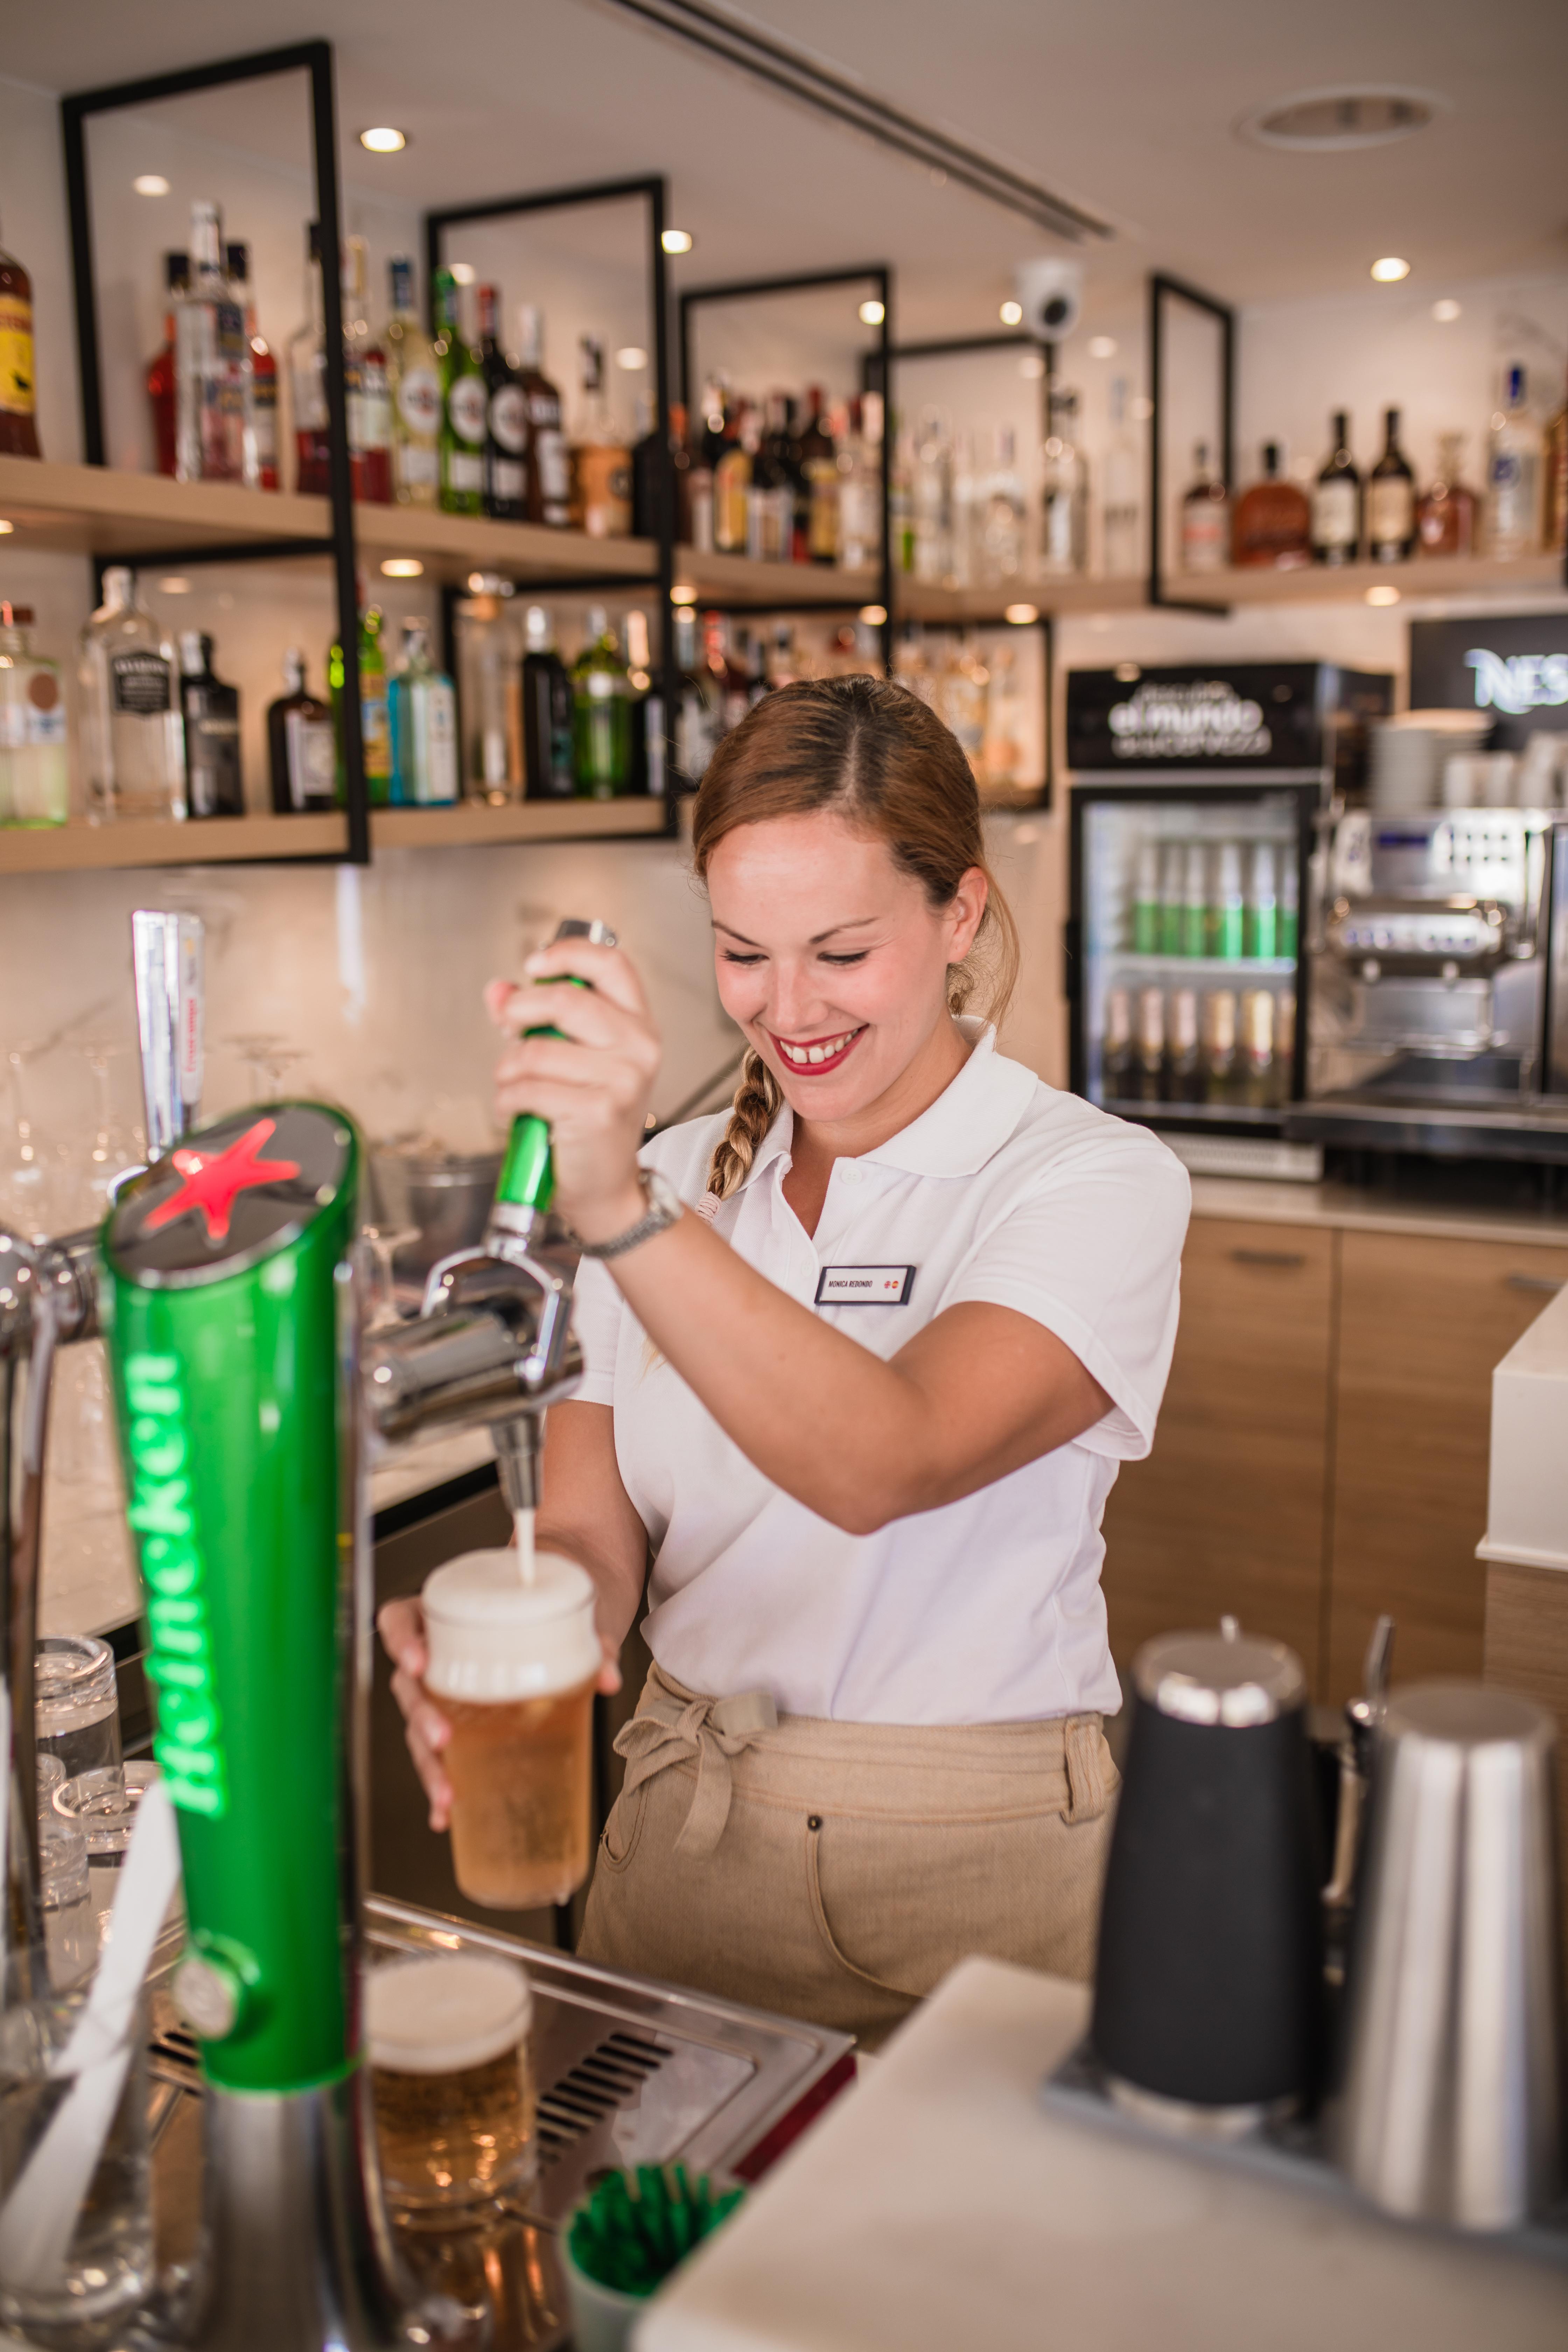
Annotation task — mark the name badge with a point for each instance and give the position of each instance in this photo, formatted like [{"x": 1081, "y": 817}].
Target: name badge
[{"x": 865, "y": 1285}]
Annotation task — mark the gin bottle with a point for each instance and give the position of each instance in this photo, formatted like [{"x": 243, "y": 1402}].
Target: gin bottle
[
  {"x": 133, "y": 738},
  {"x": 35, "y": 787},
  {"x": 424, "y": 711}
]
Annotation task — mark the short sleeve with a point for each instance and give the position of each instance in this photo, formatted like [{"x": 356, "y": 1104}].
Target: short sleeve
[
  {"x": 597, "y": 1308},
  {"x": 1093, "y": 1250}
]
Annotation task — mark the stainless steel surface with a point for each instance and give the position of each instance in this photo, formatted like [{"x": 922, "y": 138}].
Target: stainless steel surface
[
  {"x": 1228, "y": 1677},
  {"x": 1452, "y": 2104},
  {"x": 465, "y": 1367},
  {"x": 445, "y": 1196},
  {"x": 1447, "y": 939},
  {"x": 166, "y": 952}
]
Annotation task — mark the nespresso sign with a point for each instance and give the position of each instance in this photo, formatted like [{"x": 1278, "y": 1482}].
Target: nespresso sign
[
  {"x": 1516, "y": 667},
  {"x": 1518, "y": 682}
]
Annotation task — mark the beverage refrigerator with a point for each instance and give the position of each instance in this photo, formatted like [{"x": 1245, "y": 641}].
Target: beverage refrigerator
[{"x": 1197, "y": 807}]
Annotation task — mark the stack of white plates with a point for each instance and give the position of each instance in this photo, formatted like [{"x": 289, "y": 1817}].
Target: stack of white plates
[{"x": 1408, "y": 753}]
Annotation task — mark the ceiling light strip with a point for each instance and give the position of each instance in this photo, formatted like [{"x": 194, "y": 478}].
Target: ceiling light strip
[{"x": 801, "y": 76}]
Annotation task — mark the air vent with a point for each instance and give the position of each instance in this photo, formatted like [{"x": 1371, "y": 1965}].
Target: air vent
[
  {"x": 1319, "y": 120},
  {"x": 598, "y": 2085}
]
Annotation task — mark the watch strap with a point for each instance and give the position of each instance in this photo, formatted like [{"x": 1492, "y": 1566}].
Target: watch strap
[{"x": 663, "y": 1210}]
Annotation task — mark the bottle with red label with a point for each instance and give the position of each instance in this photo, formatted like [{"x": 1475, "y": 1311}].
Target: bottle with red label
[
  {"x": 161, "y": 371},
  {"x": 364, "y": 379},
  {"x": 308, "y": 382}
]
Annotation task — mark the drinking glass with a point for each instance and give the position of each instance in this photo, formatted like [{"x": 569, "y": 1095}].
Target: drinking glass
[
  {"x": 453, "y": 2083},
  {"x": 102, "y": 1808},
  {"x": 77, "y": 1703},
  {"x": 112, "y": 1150},
  {"x": 30, "y": 1165}
]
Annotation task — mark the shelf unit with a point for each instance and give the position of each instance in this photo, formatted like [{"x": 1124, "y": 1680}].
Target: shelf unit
[{"x": 472, "y": 824}]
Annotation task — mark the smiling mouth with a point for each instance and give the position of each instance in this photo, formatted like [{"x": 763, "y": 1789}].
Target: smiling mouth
[{"x": 812, "y": 1056}]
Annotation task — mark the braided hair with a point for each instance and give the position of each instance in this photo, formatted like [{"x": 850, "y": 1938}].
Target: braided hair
[{"x": 875, "y": 754}]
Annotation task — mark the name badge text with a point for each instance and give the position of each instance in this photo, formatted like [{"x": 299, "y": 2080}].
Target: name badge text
[{"x": 865, "y": 1285}]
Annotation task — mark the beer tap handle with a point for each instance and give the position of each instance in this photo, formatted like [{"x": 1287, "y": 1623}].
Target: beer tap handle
[
  {"x": 527, "y": 1184},
  {"x": 166, "y": 962}
]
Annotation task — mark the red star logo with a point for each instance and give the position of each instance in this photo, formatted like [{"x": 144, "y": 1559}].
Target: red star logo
[{"x": 211, "y": 1184}]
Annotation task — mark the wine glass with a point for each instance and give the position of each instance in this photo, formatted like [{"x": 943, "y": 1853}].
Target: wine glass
[
  {"x": 111, "y": 1151},
  {"x": 30, "y": 1165},
  {"x": 271, "y": 1059}
]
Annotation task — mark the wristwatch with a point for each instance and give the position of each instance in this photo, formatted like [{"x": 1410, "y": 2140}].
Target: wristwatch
[{"x": 663, "y": 1210}]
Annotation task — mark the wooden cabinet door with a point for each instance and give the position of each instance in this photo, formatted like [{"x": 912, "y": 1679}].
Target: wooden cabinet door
[
  {"x": 1228, "y": 1512},
  {"x": 1422, "y": 1322}
]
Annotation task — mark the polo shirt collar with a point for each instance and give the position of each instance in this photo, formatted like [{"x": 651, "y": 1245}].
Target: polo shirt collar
[{"x": 968, "y": 1123}]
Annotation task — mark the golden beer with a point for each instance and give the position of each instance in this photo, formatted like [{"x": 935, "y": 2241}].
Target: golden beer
[{"x": 452, "y": 2080}]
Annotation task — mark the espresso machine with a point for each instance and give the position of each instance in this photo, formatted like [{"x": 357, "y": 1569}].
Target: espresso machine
[{"x": 228, "y": 1285}]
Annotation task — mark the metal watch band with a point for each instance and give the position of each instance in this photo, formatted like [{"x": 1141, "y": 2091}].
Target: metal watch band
[{"x": 663, "y": 1211}]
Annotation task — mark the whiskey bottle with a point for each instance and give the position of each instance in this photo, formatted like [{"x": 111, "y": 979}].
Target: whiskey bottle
[
  {"x": 1336, "y": 501},
  {"x": 696, "y": 727},
  {"x": 1514, "y": 474},
  {"x": 1446, "y": 513},
  {"x": 600, "y": 462},
  {"x": 547, "y": 714},
  {"x": 300, "y": 743},
  {"x": 261, "y": 417},
  {"x": 18, "y": 388},
  {"x": 1206, "y": 517},
  {"x": 161, "y": 370},
  {"x": 1391, "y": 500},
  {"x": 1273, "y": 521},
  {"x": 129, "y": 709},
  {"x": 211, "y": 713},
  {"x": 549, "y": 466},
  {"x": 414, "y": 397},
  {"x": 506, "y": 420}
]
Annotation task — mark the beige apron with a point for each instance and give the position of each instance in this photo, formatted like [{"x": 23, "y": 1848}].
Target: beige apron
[{"x": 837, "y": 1871}]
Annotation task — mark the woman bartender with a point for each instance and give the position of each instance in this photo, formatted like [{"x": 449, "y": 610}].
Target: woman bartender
[{"x": 863, "y": 1357}]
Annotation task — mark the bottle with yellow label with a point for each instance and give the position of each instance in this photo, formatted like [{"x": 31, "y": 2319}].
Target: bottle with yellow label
[{"x": 18, "y": 422}]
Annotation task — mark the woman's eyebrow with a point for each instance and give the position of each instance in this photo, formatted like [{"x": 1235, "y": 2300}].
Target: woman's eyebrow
[{"x": 855, "y": 923}]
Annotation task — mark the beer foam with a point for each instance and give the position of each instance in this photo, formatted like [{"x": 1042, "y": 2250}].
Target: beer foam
[
  {"x": 438, "y": 2015},
  {"x": 492, "y": 1637}
]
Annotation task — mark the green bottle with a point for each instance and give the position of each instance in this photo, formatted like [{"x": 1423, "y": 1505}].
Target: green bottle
[
  {"x": 374, "y": 718},
  {"x": 1194, "y": 904},
  {"x": 1229, "y": 929},
  {"x": 1146, "y": 901},
  {"x": 1261, "y": 928},
  {"x": 601, "y": 714},
  {"x": 465, "y": 406}
]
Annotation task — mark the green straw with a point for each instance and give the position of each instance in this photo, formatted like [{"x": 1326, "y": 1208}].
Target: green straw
[{"x": 635, "y": 2229}]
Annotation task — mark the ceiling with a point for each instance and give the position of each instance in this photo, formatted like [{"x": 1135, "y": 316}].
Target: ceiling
[{"x": 1127, "y": 108}]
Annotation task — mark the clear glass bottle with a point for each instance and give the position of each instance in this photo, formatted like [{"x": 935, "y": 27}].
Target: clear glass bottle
[
  {"x": 1206, "y": 517},
  {"x": 547, "y": 713},
  {"x": 549, "y": 461},
  {"x": 1004, "y": 516},
  {"x": 696, "y": 727},
  {"x": 1122, "y": 511},
  {"x": 213, "y": 372},
  {"x": 1336, "y": 501},
  {"x": 365, "y": 377},
  {"x": 465, "y": 406},
  {"x": 424, "y": 713},
  {"x": 210, "y": 711},
  {"x": 413, "y": 395},
  {"x": 1448, "y": 513},
  {"x": 601, "y": 714},
  {"x": 960, "y": 697},
  {"x": 301, "y": 744},
  {"x": 489, "y": 698},
  {"x": 261, "y": 423},
  {"x": 1514, "y": 474},
  {"x": 1391, "y": 500},
  {"x": 35, "y": 778},
  {"x": 132, "y": 740},
  {"x": 1064, "y": 510},
  {"x": 308, "y": 382},
  {"x": 860, "y": 464},
  {"x": 933, "y": 500}
]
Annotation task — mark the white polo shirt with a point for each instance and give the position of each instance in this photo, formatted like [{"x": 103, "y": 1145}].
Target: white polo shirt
[{"x": 984, "y": 1610}]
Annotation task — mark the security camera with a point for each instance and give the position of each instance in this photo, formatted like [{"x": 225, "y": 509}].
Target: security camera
[{"x": 1051, "y": 294}]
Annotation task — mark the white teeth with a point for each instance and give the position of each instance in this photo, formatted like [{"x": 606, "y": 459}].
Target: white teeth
[
  {"x": 819, "y": 1053},
  {"x": 803, "y": 1056}
]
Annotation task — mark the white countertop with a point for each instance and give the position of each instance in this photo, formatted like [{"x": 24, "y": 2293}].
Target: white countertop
[
  {"x": 1350, "y": 1208},
  {"x": 938, "y": 2208}
]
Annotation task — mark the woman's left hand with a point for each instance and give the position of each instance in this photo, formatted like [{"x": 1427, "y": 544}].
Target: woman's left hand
[{"x": 592, "y": 1083}]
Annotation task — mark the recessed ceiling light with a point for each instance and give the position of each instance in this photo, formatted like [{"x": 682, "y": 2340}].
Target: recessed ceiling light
[
  {"x": 1445, "y": 311},
  {"x": 872, "y": 313},
  {"x": 174, "y": 587},
  {"x": 1102, "y": 347},
  {"x": 1012, "y": 314},
  {"x": 682, "y": 594},
  {"x": 1382, "y": 595},
  {"x": 675, "y": 240},
  {"x": 632, "y": 358},
  {"x": 384, "y": 141},
  {"x": 872, "y": 615},
  {"x": 1347, "y": 115},
  {"x": 401, "y": 567},
  {"x": 151, "y": 184},
  {"x": 462, "y": 273},
  {"x": 1021, "y": 615},
  {"x": 1390, "y": 270}
]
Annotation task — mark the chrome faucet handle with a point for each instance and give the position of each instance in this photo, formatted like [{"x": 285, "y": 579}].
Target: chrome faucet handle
[{"x": 166, "y": 965}]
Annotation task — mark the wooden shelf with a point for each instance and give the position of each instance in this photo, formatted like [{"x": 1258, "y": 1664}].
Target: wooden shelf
[
  {"x": 472, "y": 823},
  {"x": 738, "y": 583},
  {"x": 933, "y": 601},
  {"x": 451, "y": 546},
  {"x": 1318, "y": 584},
  {"x": 149, "y": 840}
]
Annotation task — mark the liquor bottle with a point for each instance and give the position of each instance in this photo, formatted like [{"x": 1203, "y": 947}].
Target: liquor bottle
[
  {"x": 1172, "y": 876},
  {"x": 645, "y": 776},
  {"x": 1446, "y": 513},
  {"x": 1284, "y": 1045},
  {"x": 660, "y": 467},
  {"x": 1146, "y": 900},
  {"x": 211, "y": 713},
  {"x": 35, "y": 783},
  {"x": 307, "y": 382},
  {"x": 1260, "y": 915},
  {"x": 795, "y": 520},
  {"x": 1064, "y": 538},
  {"x": 1336, "y": 501},
  {"x": 547, "y": 713},
  {"x": 465, "y": 406},
  {"x": 1117, "y": 1059},
  {"x": 1121, "y": 512},
  {"x": 422, "y": 709},
  {"x": 162, "y": 372},
  {"x": 770, "y": 495},
  {"x": 489, "y": 693},
  {"x": 901, "y": 499},
  {"x": 960, "y": 697},
  {"x": 1257, "y": 1084},
  {"x": 1006, "y": 718},
  {"x": 300, "y": 740},
  {"x": 1150, "y": 1073},
  {"x": 1000, "y": 555},
  {"x": 18, "y": 384},
  {"x": 375, "y": 718},
  {"x": 364, "y": 379},
  {"x": 931, "y": 491},
  {"x": 601, "y": 729},
  {"x": 697, "y": 720},
  {"x": 731, "y": 483},
  {"x": 861, "y": 484},
  {"x": 1391, "y": 500},
  {"x": 1555, "y": 471},
  {"x": 1183, "y": 1067},
  {"x": 506, "y": 422},
  {"x": 212, "y": 360},
  {"x": 1206, "y": 517},
  {"x": 600, "y": 462},
  {"x": 1196, "y": 924},
  {"x": 549, "y": 466},
  {"x": 1273, "y": 523},
  {"x": 1514, "y": 474},
  {"x": 129, "y": 709},
  {"x": 413, "y": 395},
  {"x": 1218, "y": 1044},
  {"x": 1228, "y": 930},
  {"x": 261, "y": 419},
  {"x": 819, "y": 464}
]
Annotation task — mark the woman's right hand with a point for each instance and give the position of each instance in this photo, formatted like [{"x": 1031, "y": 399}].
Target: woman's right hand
[{"x": 401, "y": 1624}]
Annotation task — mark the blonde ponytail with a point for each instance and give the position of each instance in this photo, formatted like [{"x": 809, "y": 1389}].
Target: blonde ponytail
[{"x": 755, "y": 1107}]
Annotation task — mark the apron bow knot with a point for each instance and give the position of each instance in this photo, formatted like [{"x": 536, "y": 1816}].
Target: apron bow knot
[{"x": 709, "y": 1731}]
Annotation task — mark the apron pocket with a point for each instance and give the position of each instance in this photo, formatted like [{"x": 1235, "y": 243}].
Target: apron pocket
[
  {"x": 848, "y": 1834},
  {"x": 619, "y": 1840}
]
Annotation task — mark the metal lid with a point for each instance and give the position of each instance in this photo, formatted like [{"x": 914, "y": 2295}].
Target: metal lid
[
  {"x": 237, "y": 1192},
  {"x": 1228, "y": 1677},
  {"x": 1465, "y": 1714}
]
